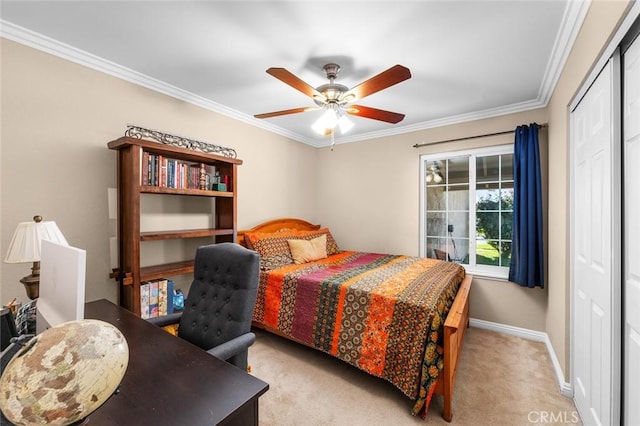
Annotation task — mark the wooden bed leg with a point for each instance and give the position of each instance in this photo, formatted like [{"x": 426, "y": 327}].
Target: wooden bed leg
[
  {"x": 454, "y": 328},
  {"x": 447, "y": 415},
  {"x": 449, "y": 371}
]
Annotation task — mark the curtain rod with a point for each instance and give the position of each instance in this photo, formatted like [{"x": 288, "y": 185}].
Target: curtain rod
[{"x": 418, "y": 145}]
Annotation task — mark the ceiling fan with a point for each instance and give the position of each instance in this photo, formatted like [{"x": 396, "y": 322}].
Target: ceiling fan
[{"x": 336, "y": 99}]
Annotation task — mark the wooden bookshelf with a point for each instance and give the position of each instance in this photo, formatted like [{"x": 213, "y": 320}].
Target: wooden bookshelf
[{"x": 132, "y": 153}]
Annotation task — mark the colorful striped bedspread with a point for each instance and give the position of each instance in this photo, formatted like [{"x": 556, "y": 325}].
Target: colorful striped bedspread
[{"x": 381, "y": 313}]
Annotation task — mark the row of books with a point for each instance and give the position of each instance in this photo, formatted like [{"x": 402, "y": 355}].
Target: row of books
[
  {"x": 158, "y": 170},
  {"x": 159, "y": 297}
]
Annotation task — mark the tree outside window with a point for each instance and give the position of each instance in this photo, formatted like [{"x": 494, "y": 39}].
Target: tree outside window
[{"x": 494, "y": 209}]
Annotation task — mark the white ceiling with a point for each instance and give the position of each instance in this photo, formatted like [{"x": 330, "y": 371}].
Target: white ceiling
[{"x": 468, "y": 59}]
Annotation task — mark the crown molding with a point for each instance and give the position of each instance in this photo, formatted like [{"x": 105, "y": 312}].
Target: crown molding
[
  {"x": 447, "y": 121},
  {"x": 572, "y": 20}
]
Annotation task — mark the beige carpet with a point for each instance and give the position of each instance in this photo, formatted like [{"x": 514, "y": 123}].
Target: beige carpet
[{"x": 502, "y": 380}]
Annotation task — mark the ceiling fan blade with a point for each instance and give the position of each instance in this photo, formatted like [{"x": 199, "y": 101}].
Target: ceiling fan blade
[
  {"x": 284, "y": 112},
  {"x": 375, "y": 114},
  {"x": 388, "y": 78},
  {"x": 293, "y": 81}
]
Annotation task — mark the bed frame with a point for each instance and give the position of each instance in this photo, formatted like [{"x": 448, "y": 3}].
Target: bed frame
[{"x": 454, "y": 326}]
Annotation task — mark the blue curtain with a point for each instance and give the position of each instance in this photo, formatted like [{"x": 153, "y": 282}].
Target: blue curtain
[{"x": 527, "y": 248}]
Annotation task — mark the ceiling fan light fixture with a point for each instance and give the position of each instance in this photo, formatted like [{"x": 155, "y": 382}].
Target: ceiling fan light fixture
[
  {"x": 345, "y": 124},
  {"x": 318, "y": 127},
  {"x": 348, "y": 98},
  {"x": 328, "y": 120}
]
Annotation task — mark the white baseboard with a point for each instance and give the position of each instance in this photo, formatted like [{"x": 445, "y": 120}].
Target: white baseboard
[{"x": 538, "y": 336}]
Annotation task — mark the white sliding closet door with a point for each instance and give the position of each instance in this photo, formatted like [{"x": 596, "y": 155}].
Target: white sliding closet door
[
  {"x": 632, "y": 234},
  {"x": 594, "y": 253}
]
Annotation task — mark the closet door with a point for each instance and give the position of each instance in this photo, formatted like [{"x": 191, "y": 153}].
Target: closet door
[
  {"x": 594, "y": 252},
  {"x": 631, "y": 98}
]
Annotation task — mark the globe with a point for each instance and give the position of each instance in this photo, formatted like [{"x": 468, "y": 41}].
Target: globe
[{"x": 64, "y": 374}]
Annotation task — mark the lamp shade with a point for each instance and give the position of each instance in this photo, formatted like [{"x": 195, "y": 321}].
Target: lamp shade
[
  {"x": 25, "y": 244},
  {"x": 345, "y": 124},
  {"x": 328, "y": 121}
]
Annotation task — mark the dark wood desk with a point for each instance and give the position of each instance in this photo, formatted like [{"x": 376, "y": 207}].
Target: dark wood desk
[{"x": 169, "y": 381}]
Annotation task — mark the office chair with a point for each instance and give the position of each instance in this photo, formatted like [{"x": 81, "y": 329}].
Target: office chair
[
  {"x": 219, "y": 306},
  {"x": 8, "y": 348},
  {"x": 12, "y": 341},
  {"x": 7, "y": 328}
]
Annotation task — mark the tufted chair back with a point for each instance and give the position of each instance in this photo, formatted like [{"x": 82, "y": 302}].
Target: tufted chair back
[{"x": 219, "y": 306}]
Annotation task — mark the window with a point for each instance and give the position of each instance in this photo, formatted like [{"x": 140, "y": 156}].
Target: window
[{"x": 466, "y": 209}]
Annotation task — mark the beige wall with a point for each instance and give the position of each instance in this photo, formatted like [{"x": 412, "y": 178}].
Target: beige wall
[
  {"x": 58, "y": 116},
  {"x": 601, "y": 21}
]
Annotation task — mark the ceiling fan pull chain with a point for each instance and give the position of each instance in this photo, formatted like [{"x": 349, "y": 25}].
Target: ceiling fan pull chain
[{"x": 333, "y": 138}]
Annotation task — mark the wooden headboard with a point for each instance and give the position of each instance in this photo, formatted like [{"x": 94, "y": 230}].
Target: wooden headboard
[{"x": 276, "y": 225}]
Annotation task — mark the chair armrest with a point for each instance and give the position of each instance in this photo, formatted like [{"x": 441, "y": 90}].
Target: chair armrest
[
  {"x": 233, "y": 347},
  {"x": 165, "y": 319}
]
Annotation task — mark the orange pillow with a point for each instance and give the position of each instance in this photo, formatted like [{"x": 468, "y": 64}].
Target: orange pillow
[
  {"x": 249, "y": 244},
  {"x": 304, "y": 251},
  {"x": 280, "y": 238},
  {"x": 274, "y": 249}
]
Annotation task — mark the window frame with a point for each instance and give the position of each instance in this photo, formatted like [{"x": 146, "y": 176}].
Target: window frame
[{"x": 489, "y": 271}]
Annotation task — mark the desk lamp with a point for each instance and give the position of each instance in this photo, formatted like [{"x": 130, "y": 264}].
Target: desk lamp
[{"x": 25, "y": 247}]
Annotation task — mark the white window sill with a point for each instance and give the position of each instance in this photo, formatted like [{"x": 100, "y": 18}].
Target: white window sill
[{"x": 493, "y": 274}]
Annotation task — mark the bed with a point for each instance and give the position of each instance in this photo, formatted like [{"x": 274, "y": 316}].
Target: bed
[{"x": 400, "y": 318}]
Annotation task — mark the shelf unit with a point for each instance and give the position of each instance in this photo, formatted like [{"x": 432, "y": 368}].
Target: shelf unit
[{"x": 130, "y": 274}]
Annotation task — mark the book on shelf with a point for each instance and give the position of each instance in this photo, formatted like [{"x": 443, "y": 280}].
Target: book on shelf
[
  {"x": 170, "y": 297},
  {"x": 162, "y": 298},
  {"x": 144, "y": 300},
  {"x": 153, "y": 299},
  {"x": 169, "y": 173},
  {"x": 145, "y": 169},
  {"x": 160, "y": 171},
  {"x": 153, "y": 170},
  {"x": 158, "y": 298}
]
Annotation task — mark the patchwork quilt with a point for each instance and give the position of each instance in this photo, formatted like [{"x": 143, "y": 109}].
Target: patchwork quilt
[{"x": 381, "y": 313}]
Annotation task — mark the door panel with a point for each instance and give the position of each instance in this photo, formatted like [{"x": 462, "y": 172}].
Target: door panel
[
  {"x": 592, "y": 140},
  {"x": 631, "y": 320}
]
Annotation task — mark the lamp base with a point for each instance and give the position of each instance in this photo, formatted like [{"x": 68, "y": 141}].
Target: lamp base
[{"x": 31, "y": 285}]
